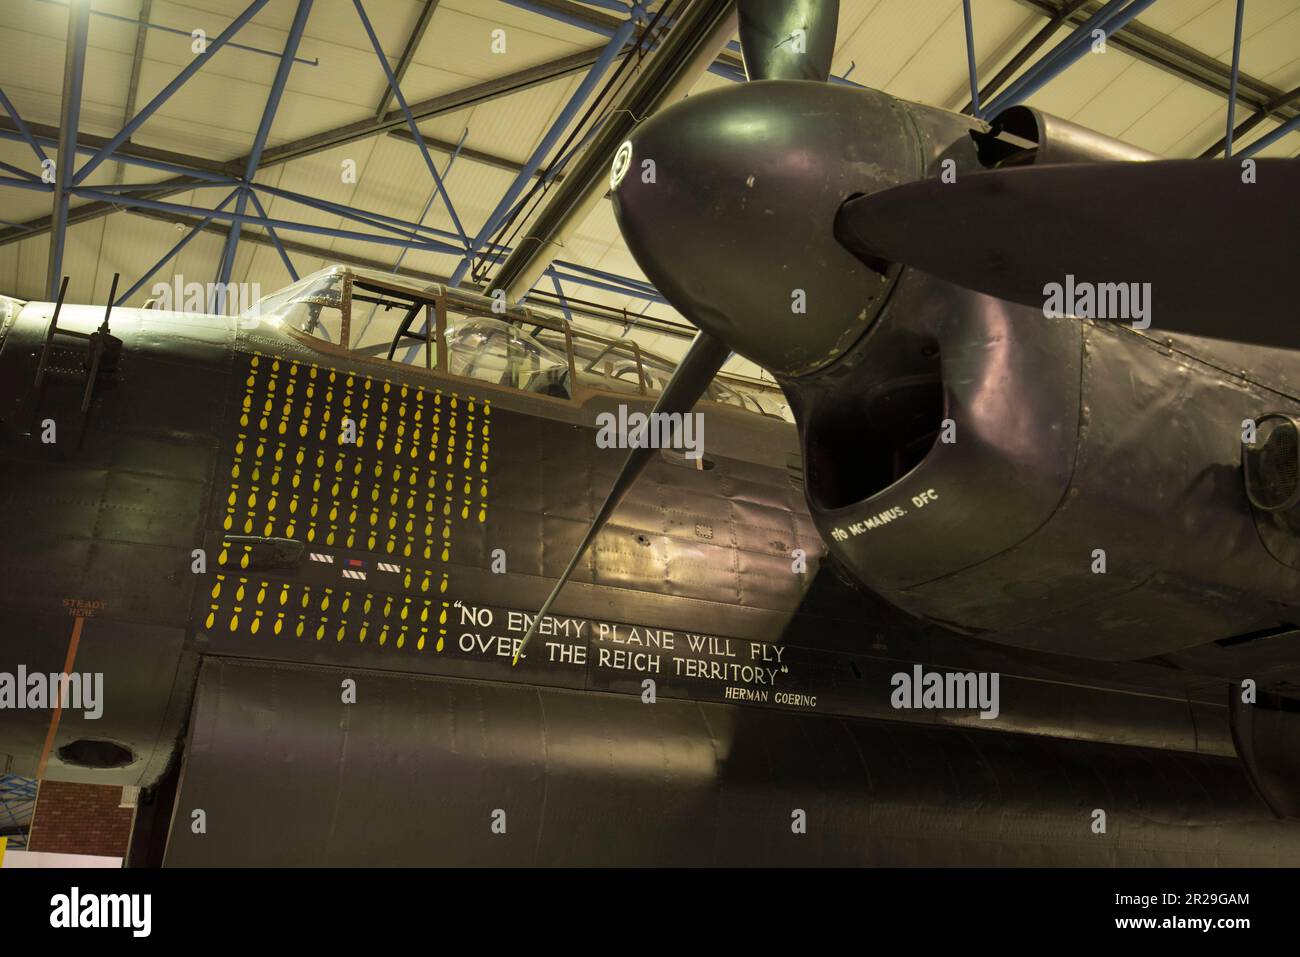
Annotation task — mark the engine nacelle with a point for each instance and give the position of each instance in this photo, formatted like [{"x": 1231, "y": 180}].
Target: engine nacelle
[
  {"x": 1054, "y": 483},
  {"x": 1045, "y": 138}
]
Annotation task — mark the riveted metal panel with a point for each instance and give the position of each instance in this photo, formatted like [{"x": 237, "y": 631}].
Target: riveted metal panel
[{"x": 417, "y": 771}]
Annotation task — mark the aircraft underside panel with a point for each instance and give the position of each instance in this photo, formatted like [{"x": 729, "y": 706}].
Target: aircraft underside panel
[{"x": 431, "y": 771}]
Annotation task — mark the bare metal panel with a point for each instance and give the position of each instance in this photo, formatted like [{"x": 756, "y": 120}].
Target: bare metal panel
[{"x": 414, "y": 771}]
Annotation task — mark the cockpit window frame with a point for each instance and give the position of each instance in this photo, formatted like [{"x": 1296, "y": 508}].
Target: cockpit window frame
[{"x": 434, "y": 301}]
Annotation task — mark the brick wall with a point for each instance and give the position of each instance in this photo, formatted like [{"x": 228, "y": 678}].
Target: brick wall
[{"x": 80, "y": 819}]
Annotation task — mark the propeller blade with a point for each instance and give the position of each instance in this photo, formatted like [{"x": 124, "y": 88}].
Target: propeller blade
[
  {"x": 791, "y": 40},
  {"x": 1215, "y": 250},
  {"x": 691, "y": 378}
]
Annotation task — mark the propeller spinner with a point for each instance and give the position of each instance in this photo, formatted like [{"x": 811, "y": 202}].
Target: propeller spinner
[{"x": 728, "y": 204}]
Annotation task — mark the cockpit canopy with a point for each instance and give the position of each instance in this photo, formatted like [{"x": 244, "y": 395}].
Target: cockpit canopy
[{"x": 470, "y": 336}]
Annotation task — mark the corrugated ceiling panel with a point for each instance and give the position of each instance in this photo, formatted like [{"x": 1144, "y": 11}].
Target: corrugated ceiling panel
[
  {"x": 127, "y": 244},
  {"x": 1273, "y": 53},
  {"x": 504, "y": 127},
  {"x": 39, "y": 30},
  {"x": 1164, "y": 127},
  {"x": 889, "y": 37},
  {"x": 33, "y": 256},
  {"x": 853, "y": 16},
  {"x": 1094, "y": 72},
  {"x": 17, "y": 204},
  {"x": 1211, "y": 29},
  {"x": 1002, "y": 27},
  {"x": 396, "y": 182},
  {"x": 1287, "y": 78},
  {"x": 481, "y": 16},
  {"x": 937, "y": 73},
  {"x": 10, "y": 274},
  {"x": 1135, "y": 90},
  {"x": 1211, "y": 128},
  {"x": 1168, "y": 17}
]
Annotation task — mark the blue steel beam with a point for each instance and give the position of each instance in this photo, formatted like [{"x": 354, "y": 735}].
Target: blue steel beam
[
  {"x": 618, "y": 6},
  {"x": 410, "y": 352},
  {"x": 407, "y": 229},
  {"x": 137, "y": 187},
  {"x": 558, "y": 166},
  {"x": 732, "y": 73},
  {"x": 130, "y": 160},
  {"x": 608, "y": 281},
  {"x": 177, "y": 82},
  {"x": 575, "y": 273},
  {"x": 1113, "y": 16},
  {"x": 1264, "y": 142},
  {"x": 553, "y": 172},
  {"x": 641, "y": 284},
  {"x": 413, "y": 41},
  {"x": 187, "y": 34},
  {"x": 1252, "y": 121},
  {"x": 970, "y": 58},
  {"x": 620, "y": 285},
  {"x": 23, "y": 131},
  {"x": 138, "y": 202},
  {"x": 622, "y": 289},
  {"x": 25, "y": 183},
  {"x": 428, "y": 205},
  {"x": 74, "y": 68},
  {"x": 400, "y": 227},
  {"x": 1072, "y": 40},
  {"x": 259, "y": 143},
  {"x": 639, "y": 316},
  {"x": 525, "y": 175},
  {"x": 25, "y": 174},
  {"x": 559, "y": 294},
  {"x": 410, "y": 120},
  {"x": 576, "y": 19},
  {"x": 174, "y": 251},
  {"x": 1021, "y": 57},
  {"x": 1232, "y": 83},
  {"x": 275, "y": 239},
  {"x": 475, "y": 93}
]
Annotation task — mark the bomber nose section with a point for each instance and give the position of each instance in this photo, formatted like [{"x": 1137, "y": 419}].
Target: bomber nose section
[{"x": 728, "y": 201}]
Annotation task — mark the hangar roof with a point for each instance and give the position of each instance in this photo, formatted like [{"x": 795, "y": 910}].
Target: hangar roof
[{"x": 1161, "y": 85}]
